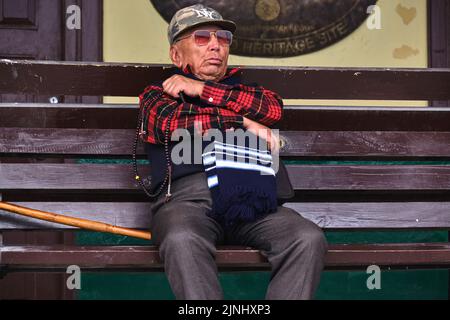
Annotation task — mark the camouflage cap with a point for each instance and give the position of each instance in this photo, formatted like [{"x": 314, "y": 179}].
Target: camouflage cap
[{"x": 193, "y": 16}]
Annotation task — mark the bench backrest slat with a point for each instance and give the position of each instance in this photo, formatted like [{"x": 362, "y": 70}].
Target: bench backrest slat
[
  {"x": 305, "y": 118},
  {"x": 38, "y": 77},
  {"x": 305, "y": 144},
  {"x": 331, "y": 215},
  {"x": 105, "y": 177}
]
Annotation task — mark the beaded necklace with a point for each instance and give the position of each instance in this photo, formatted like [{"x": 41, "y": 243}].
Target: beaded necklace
[{"x": 168, "y": 177}]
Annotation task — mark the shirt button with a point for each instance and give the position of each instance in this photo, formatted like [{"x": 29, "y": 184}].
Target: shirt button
[{"x": 210, "y": 99}]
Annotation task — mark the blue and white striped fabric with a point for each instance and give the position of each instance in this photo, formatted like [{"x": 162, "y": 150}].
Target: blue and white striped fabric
[{"x": 241, "y": 180}]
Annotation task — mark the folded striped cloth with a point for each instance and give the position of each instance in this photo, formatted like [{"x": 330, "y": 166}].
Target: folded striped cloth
[{"x": 241, "y": 180}]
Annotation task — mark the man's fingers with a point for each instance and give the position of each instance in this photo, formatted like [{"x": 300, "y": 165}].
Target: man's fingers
[
  {"x": 174, "y": 85},
  {"x": 275, "y": 147},
  {"x": 168, "y": 84},
  {"x": 177, "y": 83},
  {"x": 172, "y": 89},
  {"x": 272, "y": 140},
  {"x": 169, "y": 81}
]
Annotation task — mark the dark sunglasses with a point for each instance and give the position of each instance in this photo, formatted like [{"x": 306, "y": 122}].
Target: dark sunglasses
[{"x": 202, "y": 37}]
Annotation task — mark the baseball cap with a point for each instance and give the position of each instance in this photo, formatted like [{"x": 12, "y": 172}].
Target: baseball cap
[{"x": 193, "y": 16}]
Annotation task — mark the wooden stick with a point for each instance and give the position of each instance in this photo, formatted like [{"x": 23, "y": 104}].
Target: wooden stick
[{"x": 75, "y": 222}]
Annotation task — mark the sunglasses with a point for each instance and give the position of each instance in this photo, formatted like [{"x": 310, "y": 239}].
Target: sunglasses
[{"x": 202, "y": 37}]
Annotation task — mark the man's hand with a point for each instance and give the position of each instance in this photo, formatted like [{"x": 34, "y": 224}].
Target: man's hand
[
  {"x": 177, "y": 83},
  {"x": 273, "y": 141}
]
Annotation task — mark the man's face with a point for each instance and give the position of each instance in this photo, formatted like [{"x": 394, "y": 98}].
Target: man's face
[{"x": 208, "y": 62}]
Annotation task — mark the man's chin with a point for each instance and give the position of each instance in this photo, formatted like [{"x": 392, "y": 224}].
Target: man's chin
[{"x": 213, "y": 72}]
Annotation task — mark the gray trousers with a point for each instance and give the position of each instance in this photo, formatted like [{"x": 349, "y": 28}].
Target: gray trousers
[{"x": 187, "y": 239}]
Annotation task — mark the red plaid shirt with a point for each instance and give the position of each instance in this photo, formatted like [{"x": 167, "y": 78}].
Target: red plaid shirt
[{"x": 228, "y": 104}]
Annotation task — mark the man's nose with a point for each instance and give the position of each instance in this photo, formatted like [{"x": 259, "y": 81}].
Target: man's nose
[{"x": 213, "y": 42}]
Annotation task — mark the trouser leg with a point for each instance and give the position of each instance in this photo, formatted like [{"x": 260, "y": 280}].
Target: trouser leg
[
  {"x": 295, "y": 248},
  {"x": 187, "y": 240}
]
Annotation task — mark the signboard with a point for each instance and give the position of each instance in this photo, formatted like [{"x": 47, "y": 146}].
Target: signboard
[{"x": 281, "y": 28}]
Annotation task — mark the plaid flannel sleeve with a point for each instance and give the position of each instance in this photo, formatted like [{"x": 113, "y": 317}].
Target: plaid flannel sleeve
[
  {"x": 256, "y": 103},
  {"x": 156, "y": 106}
]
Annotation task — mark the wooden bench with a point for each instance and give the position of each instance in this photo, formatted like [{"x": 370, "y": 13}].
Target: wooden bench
[{"x": 341, "y": 175}]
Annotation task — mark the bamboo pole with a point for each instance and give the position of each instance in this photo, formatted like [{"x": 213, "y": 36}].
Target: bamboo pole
[{"x": 75, "y": 222}]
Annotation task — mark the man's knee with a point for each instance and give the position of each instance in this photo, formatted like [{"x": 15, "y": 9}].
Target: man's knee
[
  {"x": 179, "y": 241},
  {"x": 315, "y": 240},
  {"x": 308, "y": 236}
]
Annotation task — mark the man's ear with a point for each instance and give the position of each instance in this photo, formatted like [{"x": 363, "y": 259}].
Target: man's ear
[{"x": 175, "y": 56}]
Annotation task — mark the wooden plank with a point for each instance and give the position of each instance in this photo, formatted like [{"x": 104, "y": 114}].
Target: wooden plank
[
  {"x": 375, "y": 215},
  {"x": 107, "y": 256},
  {"x": 413, "y": 254},
  {"x": 382, "y": 178},
  {"x": 327, "y": 215},
  {"x": 334, "y": 144},
  {"x": 111, "y": 257},
  {"x": 305, "y": 118},
  {"x": 71, "y": 177},
  {"x": 348, "y": 118},
  {"x": 86, "y": 142},
  {"x": 107, "y": 177},
  {"x": 35, "y": 115},
  {"x": 374, "y": 144},
  {"x": 81, "y": 78}
]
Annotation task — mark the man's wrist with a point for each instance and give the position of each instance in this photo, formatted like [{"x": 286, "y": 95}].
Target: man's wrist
[{"x": 214, "y": 92}]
